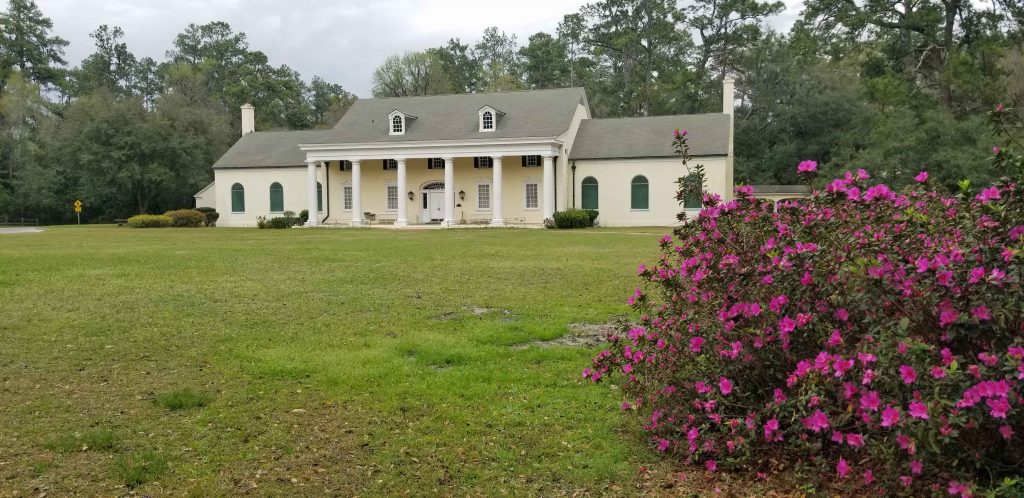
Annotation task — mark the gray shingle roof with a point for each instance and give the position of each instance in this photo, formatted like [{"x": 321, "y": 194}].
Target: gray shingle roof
[
  {"x": 268, "y": 148},
  {"x": 650, "y": 137},
  {"x": 534, "y": 113}
]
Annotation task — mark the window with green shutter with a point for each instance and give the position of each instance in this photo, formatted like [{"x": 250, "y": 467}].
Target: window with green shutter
[
  {"x": 640, "y": 193},
  {"x": 276, "y": 198},
  {"x": 589, "y": 193},
  {"x": 237, "y": 198},
  {"x": 692, "y": 203},
  {"x": 319, "y": 197}
]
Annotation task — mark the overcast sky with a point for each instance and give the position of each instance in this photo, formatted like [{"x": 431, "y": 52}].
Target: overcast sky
[{"x": 339, "y": 40}]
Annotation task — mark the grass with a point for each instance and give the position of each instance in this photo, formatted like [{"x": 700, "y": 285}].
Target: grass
[
  {"x": 96, "y": 440},
  {"x": 342, "y": 362},
  {"x": 184, "y": 398}
]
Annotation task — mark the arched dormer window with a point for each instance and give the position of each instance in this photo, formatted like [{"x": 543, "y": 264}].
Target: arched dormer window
[
  {"x": 489, "y": 118},
  {"x": 398, "y": 122}
]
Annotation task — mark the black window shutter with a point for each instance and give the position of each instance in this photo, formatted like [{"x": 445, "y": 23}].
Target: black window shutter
[
  {"x": 476, "y": 162},
  {"x": 522, "y": 159}
]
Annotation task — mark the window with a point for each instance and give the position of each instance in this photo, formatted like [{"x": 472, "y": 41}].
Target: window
[
  {"x": 397, "y": 125},
  {"x": 693, "y": 203},
  {"x": 276, "y": 198},
  {"x": 483, "y": 162},
  {"x": 345, "y": 165},
  {"x": 639, "y": 194},
  {"x": 391, "y": 164},
  {"x": 319, "y": 197},
  {"x": 483, "y": 196},
  {"x": 435, "y": 163},
  {"x": 237, "y": 198},
  {"x": 589, "y": 193},
  {"x": 531, "y": 161},
  {"x": 392, "y": 194},
  {"x": 347, "y": 197},
  {"x": 532, "y": 200},
  {"x": 487, "y": 121}
]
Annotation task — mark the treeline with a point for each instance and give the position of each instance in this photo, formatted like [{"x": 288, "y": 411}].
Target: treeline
[
  {"x": 892, "y": 86},
  {"x": 129, "y": 134}
]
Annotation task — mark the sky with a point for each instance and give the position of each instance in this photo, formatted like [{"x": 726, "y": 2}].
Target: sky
[{"x": 342, "y": 41}]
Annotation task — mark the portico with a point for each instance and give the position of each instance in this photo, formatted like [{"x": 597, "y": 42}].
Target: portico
[{"x": 514, "y": 178}]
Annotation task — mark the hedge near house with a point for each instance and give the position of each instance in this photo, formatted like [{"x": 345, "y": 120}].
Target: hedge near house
[
  {"x": 150, "y": 221},
  {"x": 872, "y": 338}
]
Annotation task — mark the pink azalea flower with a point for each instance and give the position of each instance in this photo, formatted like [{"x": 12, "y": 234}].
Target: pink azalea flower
[
  {"x": 662, "y": 445},
  {"x": 627, "y": 368},
  {"x": 918, "y": 410},
  {"x": 921, "y": 177},
  {"x": 890, "y": 416},
  {"x": 817, "y": 421},
  {"x": 842, "y": 468},
  {"x": 906, "y": 481},
  {"x": 725, "y": 385},
  {"x": 869, "y": 477},
  {"x": 981, "y": 313},
  {"x": 991, "y": 193},
  {"x": 855, "y": 440},
  {"x": 907, "y": 444},
  {"x": 711, "y": 465},
  {"x": 1006, "y": 431},
  {"x": 908, "y": 374},
  {"x": 938, "y": 372},
  {"x": 807, "y": 167},
  {"x": 842, "y": 315},
  {"x": 870, "y": 401},
  {"x": 916, "y": 467},
  {"x": 779, "y": 396},
  {"x": 948, "y": 317}
]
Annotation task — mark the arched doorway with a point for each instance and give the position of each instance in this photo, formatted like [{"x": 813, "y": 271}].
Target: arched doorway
[{"x": 432, "y": 202}]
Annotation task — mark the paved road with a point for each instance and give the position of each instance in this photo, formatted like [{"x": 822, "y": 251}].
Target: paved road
[{"x": 7, "y": 230}]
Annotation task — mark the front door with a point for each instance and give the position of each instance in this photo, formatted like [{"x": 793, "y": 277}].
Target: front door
[{"x": 435, "y": 202}]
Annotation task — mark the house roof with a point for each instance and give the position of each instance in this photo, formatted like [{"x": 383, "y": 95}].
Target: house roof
[
  {"x": 620, "y": 138},
  {"x": 530, "y": 113},
  {"x": 268, "y": 148}
]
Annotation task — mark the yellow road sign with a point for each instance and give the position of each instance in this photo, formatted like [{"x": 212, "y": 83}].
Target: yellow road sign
[
  {"x": 78, "y": 209},
  {"x": 78, "y": 203}
]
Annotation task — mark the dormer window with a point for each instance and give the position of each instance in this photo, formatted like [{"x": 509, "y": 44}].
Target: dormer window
[
  {"x": 489, "y": 118},
  {"x": 398, "y": 122}
]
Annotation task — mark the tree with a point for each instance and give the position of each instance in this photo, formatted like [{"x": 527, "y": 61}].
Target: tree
[
  {"x": 498, "y": 58},
  {"x": 459, "y": 65},
  {"x": 572, "y": 32},
  {"x": 329, "y": 101},
  {"x": 410, "y": 74},
  {"x": 545, "y": 62},
  {"x": 112, "y": 67},
  {"x": 26, "y": 44}
]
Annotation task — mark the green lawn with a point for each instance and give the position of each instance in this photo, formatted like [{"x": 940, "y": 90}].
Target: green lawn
[{"x": 311, "y": 362}]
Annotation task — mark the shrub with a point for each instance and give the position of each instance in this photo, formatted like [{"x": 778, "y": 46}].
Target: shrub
[
  {"x": 183, "y": 398},
  {"x": 868, "y": 336},
  {"x": 261, "y": 222},
  {"x": 149, "y": 221},
  {"x": 280, "y": 222},
  {"x": 592, "y": 213},
  {"x": 137, "y": 469},
  {"x": 186, "y": 218},
  {"x": 573, "y": 218},
  {"x": 304, "y": 216},
  {"x": 211, "y": 215}
]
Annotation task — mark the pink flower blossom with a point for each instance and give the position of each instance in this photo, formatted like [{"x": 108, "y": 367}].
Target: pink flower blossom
[
  {"x": 991, "y": 193},
  {"x": 855, "y": 440},
  {"x": 662, "y": 445},
  {"x": 817, "y": 421},
  {"x": 938, "y": 372},
  {"x": 890, "y": 416},
  {"x": 842, "y": 468},
  {"x": 711, "y": 465},
  {"x": 869, "y": 477},
  {"x": 916, "y": 467},
  {"x": 1006, "y": 431},
  {"x": 696, "y": 343},
  {"x": 981, "y": 313},
  {"x": 918, "y": 410},
  {"x": 921, "y": 177},
  {"x": 870, "y": 401},
  {"x": 807, "y": 167},
  {"x": 908, "y": 374},
  {"x": 725, "y": 385}
]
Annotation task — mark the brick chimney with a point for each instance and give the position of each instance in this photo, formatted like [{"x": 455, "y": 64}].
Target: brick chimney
[{"x": 248, "y": 119}]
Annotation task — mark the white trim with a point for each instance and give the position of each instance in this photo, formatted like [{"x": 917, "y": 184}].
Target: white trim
[
  {"x": 420, "y": 149},
  {"x": 391, "y": 122},
  {"x": 490, "y": 197}
]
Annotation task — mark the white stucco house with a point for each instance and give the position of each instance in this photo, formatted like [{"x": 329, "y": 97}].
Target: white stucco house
[{"x": 487, "y": 158}]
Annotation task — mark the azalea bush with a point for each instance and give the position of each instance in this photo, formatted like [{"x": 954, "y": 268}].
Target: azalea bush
[{"x": 867, "y": 336}]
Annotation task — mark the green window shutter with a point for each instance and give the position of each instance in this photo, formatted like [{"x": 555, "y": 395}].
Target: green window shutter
[
  {"x": 237, "y": 198},
  {"x": 640, "y": 193},
  {"x": 589, "y": 193},
  {"x": 276, "y": 198},
  {"x": 319, "y": 197}
]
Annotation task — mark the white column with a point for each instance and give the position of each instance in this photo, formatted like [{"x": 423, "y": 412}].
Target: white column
[
  {"x": 496, "y": 208},
  {"x": 314, "y": 218},
  {"x": 549, "y": 187},
  {"x": 403, "y": 202},
  {"x": 357, "y": 194},
  {"x": 449, "y": 192}
]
